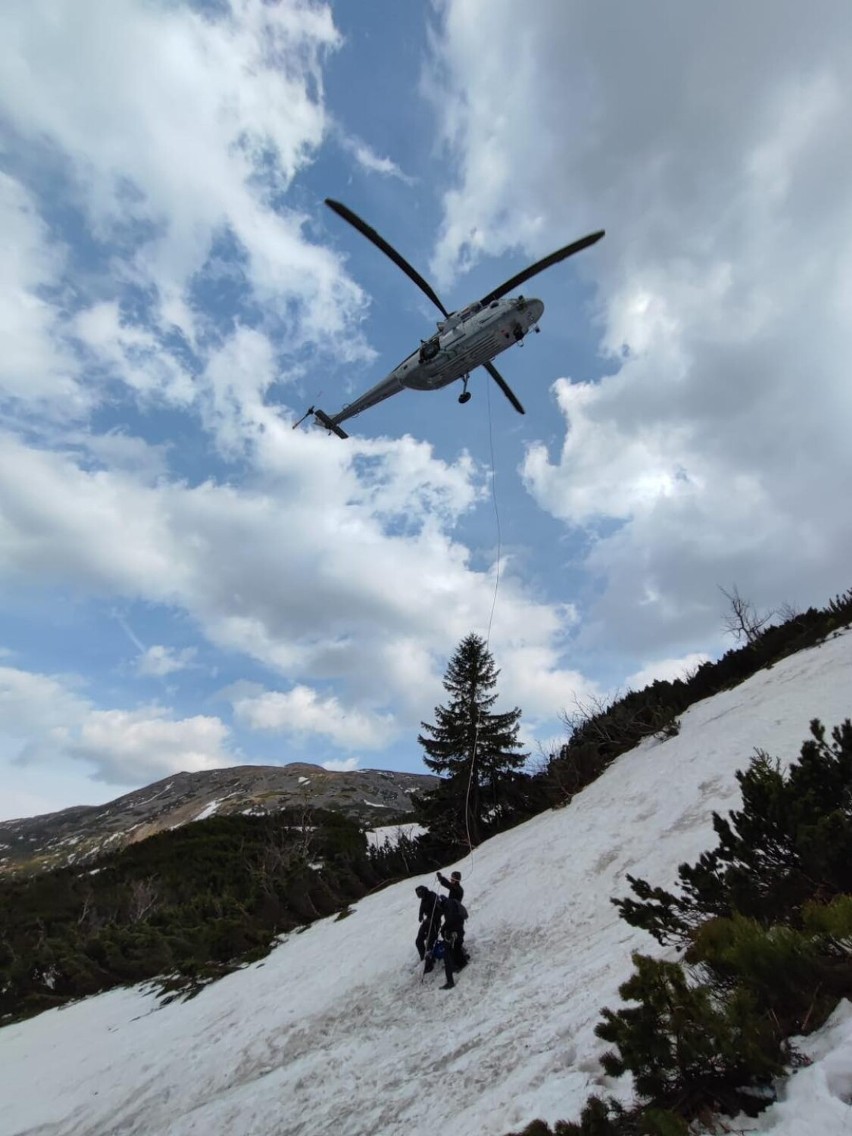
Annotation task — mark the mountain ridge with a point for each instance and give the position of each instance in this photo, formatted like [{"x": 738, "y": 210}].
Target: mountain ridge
[{"x": 82, "y": 833}]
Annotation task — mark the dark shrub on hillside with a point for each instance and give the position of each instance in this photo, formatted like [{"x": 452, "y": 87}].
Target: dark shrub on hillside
[
  {"x": 686, "y": 1048},
  {"x": 793, "y": 977},
  {"x": 610, "y": 1118},
  {"x": 193, "y": 902},
  {"x": 790, "y": 842},
  {"x": 597, "y": 738},
  {"x": 766, "y": 923}
]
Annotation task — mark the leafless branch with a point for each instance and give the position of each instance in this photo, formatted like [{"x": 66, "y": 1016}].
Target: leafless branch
[{"x": 742, "y": 620}]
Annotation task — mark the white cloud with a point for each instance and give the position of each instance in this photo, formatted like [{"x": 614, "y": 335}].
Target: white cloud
[
  {"x": 372, "y": 162},
  {"x": 133, "y": 354},
  {"x": 303, "y": 710},
  {"x": 158, "y": 661},
  {"x": 710, "y": 451},
  {"x": 161, "y": 171},
  {"x": 46, "y": 721},
  {"x": 133, "y": 746},
  {"x": 38, "y": 713},
  {"x": 347, "y": 765},
  {"x": 36, "y": 367},
  {"x": 237, "y": 377},
  {"x": 531, "y": 676},
  {"x": 665, "y": 670},
  {"x": 309, "y": 573},
  {"x": 119, "y": 451}
]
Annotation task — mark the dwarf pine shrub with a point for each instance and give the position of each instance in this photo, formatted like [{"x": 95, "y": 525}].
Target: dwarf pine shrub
[
  {"x": 611, "y": 1118},
  {"x": 765, "y": 921},
  {"x": 791, "y": 842},
  {"x": 685, "y": 1047}
]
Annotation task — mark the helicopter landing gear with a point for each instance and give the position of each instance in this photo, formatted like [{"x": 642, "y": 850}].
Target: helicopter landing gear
[{"x": 465, "y": 394}]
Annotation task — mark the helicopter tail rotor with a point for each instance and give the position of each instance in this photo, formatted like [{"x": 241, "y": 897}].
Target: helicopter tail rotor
[
  {"x": 307, "y": 414},
  {"x": 323, "y": 419}
]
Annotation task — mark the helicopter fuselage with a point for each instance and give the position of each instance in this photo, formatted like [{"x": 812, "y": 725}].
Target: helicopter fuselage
[
  {"x": 466, "y": 340},
  {"x": 463, "y": 341}
]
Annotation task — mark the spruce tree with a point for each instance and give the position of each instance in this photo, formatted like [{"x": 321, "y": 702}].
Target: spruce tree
[{"x": 474, "y": 750}]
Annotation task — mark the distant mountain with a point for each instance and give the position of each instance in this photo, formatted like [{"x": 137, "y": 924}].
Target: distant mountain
[{"x": 76, "y": 835}]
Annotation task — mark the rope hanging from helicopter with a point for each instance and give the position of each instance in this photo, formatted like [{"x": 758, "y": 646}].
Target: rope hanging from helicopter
[
  {"x": 495, "y": 314},
  {"x": 490, "y": 617}
]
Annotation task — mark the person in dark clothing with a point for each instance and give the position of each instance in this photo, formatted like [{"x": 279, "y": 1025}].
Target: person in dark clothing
[
  {"x": 430, "y": 922},
  {"x": 452, "y": 932},
  {"x": 453, "y": 885}
]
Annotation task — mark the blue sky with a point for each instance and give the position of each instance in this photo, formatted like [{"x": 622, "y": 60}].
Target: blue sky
[{"x": 187, "y": 581}]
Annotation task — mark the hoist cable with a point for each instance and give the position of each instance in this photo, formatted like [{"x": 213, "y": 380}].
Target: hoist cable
[{"x": 491, "y": 614}]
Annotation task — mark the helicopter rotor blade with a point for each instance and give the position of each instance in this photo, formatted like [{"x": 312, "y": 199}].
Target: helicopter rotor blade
[
  {"x": 370, "y": 233},
  {"x": 540, "y": 265},
  {"x": 504, "y": 387}
]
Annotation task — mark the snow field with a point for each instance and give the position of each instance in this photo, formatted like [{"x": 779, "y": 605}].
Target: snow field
[{"x": 335, "y": 1033}]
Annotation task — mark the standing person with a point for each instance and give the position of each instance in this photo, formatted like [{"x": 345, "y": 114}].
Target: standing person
[
  {"x": 453, "y": 885},
  {"x": 430, "y": 922},
  {"x": 452, "y": 933}
]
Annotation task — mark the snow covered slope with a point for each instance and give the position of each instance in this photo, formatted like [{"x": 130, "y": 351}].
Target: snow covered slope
[{"x": 335, "y": 1033}]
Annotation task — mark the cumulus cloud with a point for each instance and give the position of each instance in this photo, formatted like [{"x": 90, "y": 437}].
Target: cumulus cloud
[
  {"x": 303, "y": 710},
  {"x": 129, "y": 746},
  {"x": 346, "y": 765},
  {"x": 47, "y": 719},
  {"x": 327, "y": 572},
  {"x": 134, "y": 354},
  {"x": 707, "y": 449},
  {"x": 665, "y": 670},
  {"x": 165, "y": 174},
  {"x": 39, "y": 712}
]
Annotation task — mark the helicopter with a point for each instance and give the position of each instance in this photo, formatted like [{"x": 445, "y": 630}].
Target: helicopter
[{"x": 464, "y": 339}]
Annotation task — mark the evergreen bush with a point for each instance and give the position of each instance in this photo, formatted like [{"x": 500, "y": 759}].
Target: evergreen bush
[
  {"x": 190, "y": 903},
  {"x": 765, "y": 923},
  {"x": 685, "y": 1047},
  {"x": 789, "y": 843}
]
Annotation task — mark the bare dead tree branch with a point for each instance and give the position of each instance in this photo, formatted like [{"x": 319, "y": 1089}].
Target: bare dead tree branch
[
  {"x": 144, "y": 899},
  {"x": 742, "y": 620}
]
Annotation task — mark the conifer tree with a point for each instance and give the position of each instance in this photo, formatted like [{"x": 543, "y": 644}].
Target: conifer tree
[{"x": 473, "y": 749}]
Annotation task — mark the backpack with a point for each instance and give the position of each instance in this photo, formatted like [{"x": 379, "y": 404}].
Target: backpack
[{"x": 454, "y": 907}]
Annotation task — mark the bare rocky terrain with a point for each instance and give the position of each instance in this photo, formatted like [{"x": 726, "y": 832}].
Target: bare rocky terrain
[{"x": 376, "y": 797}]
